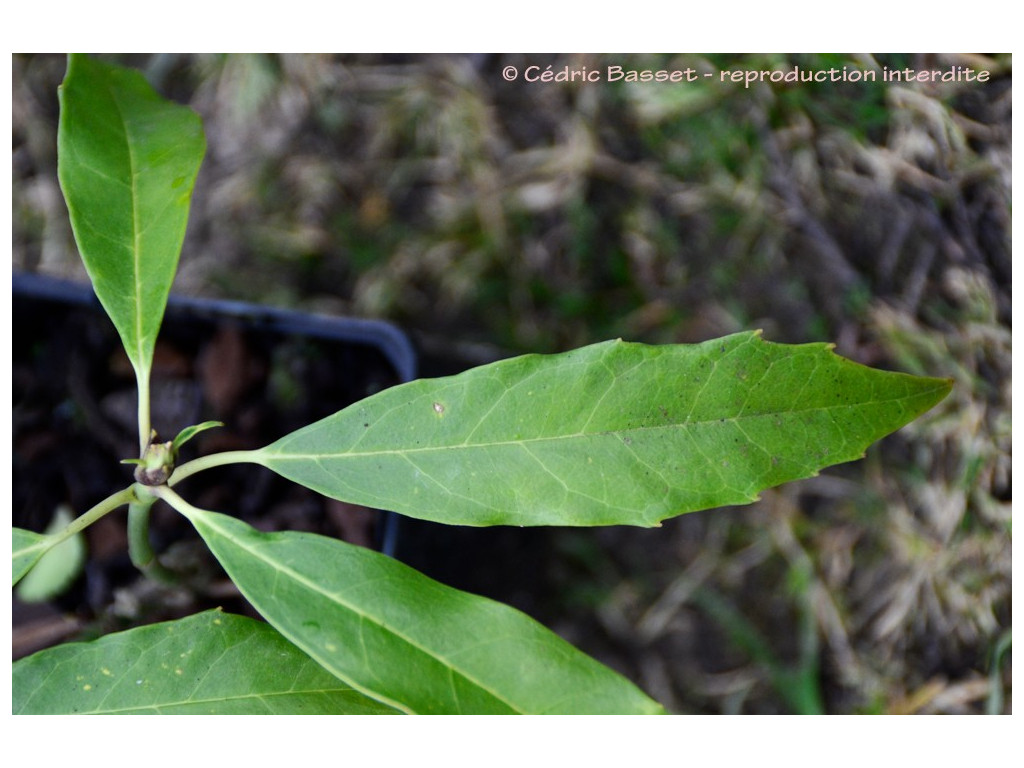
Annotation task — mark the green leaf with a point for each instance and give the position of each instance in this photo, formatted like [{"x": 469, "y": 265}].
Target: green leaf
[
  {"x": 127, "y": 162},
  {"x": 58, "y": 567},
  {"x": 189, "y": 432},
  {"x": 614, "y": 433},
  {"x": 404, "y": 639},
  {"x": 210, "y": 663},
  {"x": 26, "y": 549}
]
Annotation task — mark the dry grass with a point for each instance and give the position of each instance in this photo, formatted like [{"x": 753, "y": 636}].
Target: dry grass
[{"x": 491, "y": 217}]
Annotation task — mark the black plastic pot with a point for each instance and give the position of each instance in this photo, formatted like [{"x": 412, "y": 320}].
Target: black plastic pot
[{"x": 264, "y": 372}]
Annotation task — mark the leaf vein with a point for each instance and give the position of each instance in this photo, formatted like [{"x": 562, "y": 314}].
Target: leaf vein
[{"x": 316, "y": 588}]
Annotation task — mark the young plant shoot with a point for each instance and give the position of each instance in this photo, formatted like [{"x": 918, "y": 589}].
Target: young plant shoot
[{"x": 610, "y": 434}]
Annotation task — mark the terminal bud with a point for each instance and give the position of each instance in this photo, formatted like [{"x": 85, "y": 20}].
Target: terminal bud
[{"x": 157, "y": 463}]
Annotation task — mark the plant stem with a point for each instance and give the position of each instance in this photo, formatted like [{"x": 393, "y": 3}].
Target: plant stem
[
  {"x": 142, "y": 379},
  {"x": 139, "y": 547},
  {"x": 189, "y": 468},
  {"x": 172, "y": 498},
  {"x": 109, "y": 504}
]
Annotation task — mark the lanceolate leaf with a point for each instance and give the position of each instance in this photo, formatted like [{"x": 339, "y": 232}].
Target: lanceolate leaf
[
  {"x": 127, "y": 162},
  {"x": 614, "y": 433},
  {"x": 210, "y": 663},
  {"x": 405, "y": 639},
  {"x": 26, "y": 549}
]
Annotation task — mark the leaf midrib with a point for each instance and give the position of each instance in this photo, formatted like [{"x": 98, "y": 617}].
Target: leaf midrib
[
  {"x": 374, "y": 620},
  {"x": 465, "y": 445},
  {"x": 136, "y": 232}
]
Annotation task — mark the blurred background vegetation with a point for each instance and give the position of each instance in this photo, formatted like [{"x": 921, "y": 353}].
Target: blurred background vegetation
[{"x": 489, "y": 218}]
